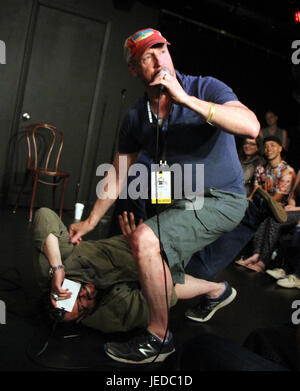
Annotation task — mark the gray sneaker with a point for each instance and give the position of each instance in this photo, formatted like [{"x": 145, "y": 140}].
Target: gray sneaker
[
  {"x": 207, "y": 306},
  {"x": 142, "y": 349}
]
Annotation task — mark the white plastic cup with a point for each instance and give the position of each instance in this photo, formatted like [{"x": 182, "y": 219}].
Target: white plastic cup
[{"x": 78, "y": 210}]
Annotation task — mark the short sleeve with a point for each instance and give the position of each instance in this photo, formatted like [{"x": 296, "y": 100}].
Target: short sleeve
[{"x": 214, "y": 90}]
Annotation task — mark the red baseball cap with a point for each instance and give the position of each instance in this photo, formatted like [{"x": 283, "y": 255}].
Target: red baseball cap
[{"x": 137, "y": 43}]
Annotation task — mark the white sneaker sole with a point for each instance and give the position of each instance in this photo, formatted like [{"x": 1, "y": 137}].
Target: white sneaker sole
[
  {"x": 275, "y": 275},
  {"x": 222, "y": 304},
  {"x": 160, "y": 358}
]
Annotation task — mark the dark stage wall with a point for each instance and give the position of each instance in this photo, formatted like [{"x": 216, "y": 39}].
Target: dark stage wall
[
  {"x": 262, "y": 79},
  {"x": 65, "y": 66}
]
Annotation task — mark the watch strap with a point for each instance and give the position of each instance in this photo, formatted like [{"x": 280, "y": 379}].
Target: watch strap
[{"x": 54, "y": 268}]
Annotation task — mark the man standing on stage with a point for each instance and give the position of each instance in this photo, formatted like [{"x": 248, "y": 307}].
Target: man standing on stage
[{"x": 198, "y": 118}]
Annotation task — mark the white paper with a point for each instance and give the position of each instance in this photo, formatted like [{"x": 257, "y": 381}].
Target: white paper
[{"x": 73, "y": 287}]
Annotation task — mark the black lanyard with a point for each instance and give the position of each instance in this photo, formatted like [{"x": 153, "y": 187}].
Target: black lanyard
[{"x": 163, "y": 127}]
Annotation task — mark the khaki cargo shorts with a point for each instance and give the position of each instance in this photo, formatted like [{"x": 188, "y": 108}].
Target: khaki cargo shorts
[{"x": 185, "y": 228}]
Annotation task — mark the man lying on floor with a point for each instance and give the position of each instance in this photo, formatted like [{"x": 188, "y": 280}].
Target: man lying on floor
[{"x": 110, "y": 298}]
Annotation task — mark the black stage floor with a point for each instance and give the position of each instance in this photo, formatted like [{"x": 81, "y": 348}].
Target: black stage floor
[{"x": 259, "y": 303}]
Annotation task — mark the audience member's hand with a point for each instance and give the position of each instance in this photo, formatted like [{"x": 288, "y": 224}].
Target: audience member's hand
[
  {"x": 291, "y": 208},
  {"x": 56, "y": 287},
  {"x": 292, "y": 202},
  {"x": 128, "y": 226},
  {"x": 77, "y": 230}
]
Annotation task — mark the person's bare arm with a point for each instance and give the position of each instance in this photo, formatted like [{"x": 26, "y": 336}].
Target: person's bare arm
[
  {"x": 114, "y": 182},
  {"x": 253, "y": 191},
  {"x": 285, "y": 140},
  {"x": 291, "y": 200},
  {"x": 233, "y": 116},
  {"x": 53, "y": 255}
]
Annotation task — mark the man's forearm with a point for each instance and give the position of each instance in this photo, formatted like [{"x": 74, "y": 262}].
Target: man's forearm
[
  {"x": 101, "y": 206},
  {"x": 296, "y": 182},
  {"x": 111, "y": 187},
  {"x": 233, "y": 116},
  {"x": 51, "y": 250}
]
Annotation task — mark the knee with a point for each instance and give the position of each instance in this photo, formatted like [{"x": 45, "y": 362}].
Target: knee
[
  {"x": 41, "y": 214},
  {"x": 144, "y": 242}
]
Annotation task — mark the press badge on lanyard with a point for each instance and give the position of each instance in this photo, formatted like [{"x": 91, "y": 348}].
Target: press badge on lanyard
[
  {"x": 161, "y": 178},
  {"x": 161, "y": 185}
]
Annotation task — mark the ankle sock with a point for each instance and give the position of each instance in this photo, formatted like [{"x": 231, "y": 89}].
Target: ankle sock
[
  {"x": 161, "y": 340},
  {"x": 222, "y": 294}
]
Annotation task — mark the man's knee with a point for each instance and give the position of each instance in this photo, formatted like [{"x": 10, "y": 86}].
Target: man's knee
[
  {"x": 42, "y": 214},
  {"x": 144, "y": 242}
]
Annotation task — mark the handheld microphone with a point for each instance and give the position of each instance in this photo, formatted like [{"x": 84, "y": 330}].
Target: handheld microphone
[{"x": 165, "y": 70}]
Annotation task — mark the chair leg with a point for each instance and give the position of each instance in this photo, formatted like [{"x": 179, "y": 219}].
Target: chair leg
[
  {"x": 62, "y": 197},
  {"x": 53, "y": 193},
  {"x": 21, "y": 192},
  {"x": 33, "y": 197}
]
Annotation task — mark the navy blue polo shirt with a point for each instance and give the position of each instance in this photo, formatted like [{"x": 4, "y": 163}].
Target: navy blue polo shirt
[{"x": 189, "y": 139}]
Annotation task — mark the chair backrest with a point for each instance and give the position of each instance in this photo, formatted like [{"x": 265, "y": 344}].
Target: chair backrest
[{"x": 52, "y": 139}]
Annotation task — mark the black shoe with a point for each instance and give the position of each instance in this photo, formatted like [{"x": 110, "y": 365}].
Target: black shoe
[
  {"x": 140, "y": 350},
  {"x": 267, "y": 206},
  {"x": 207, "y": 306}
]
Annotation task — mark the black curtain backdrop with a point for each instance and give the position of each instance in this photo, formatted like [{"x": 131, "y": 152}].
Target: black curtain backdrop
[{"x": 261, "y": 79}]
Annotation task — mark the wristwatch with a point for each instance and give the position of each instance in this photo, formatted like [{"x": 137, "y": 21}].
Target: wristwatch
[{"x": 54, "y": 268}]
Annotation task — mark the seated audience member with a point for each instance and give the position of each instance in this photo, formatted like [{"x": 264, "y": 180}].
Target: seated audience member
[
  {"x": 276, "y": 179},
  {"x": 294, "y": 146},
  {"x": 277, "y": 176},
  {"x": 273, "y": 130},
  {"x": 250, "y": 158},
  {"x": 110, "y": 298},
  {"x": 288, "y": 276},
  {"x": 294, "y": 197}
]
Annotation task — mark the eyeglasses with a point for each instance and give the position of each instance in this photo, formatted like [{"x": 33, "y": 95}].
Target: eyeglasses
[
  {"x": 81, "y": 308},
  {"x": 248, "y": 143}
]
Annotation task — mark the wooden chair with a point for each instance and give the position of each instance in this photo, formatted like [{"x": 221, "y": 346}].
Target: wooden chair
[{"x": 41, "y": 155}]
